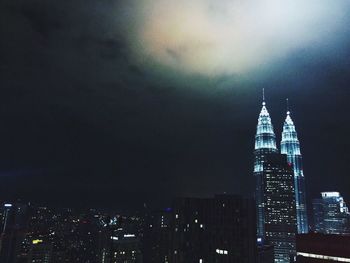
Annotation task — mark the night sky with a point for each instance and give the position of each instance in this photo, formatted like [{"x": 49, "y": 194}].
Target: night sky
[{"x": 112, "y": 104}]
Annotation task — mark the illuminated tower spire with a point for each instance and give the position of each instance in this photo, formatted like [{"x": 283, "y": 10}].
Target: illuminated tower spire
[
  {"x": 265, "y": 138},
  {"x": 265, "y": 143},
  {"x": 291, "y": 147}
]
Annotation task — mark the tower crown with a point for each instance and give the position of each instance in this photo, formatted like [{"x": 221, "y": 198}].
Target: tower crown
[
  {"x": 289, "y": 143},
  {"x": 265, "y": 137}
]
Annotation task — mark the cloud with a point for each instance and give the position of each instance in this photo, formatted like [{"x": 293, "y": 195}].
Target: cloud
[{"x": 229, "y": 36}]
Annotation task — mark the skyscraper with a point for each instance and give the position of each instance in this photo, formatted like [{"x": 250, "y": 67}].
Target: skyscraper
[
  {"x": 274, "y": 192},
  {"x": 291, "y": 147},
  {"x": 279, "y": 206},
  {"x": 265, "y": 143},
  {"x": 331, "y": 215}
]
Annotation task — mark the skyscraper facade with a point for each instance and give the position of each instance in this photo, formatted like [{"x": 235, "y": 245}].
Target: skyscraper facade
[
  {"x": 317, "y": 212},
  {"x": 331, "y": 215},
  {"x": 156, "y": 238},
  {"x": 291, "y": 147},
  {"x": 265, "y": 143},
  {"x": 274, "y": 192},
  {"x": 279, "y": 206}
]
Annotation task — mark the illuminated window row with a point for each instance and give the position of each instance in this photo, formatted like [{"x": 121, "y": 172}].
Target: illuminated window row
[{"x": 221, "y": 251}]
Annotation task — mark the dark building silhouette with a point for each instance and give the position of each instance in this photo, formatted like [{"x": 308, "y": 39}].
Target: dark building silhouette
[
  {"x": 122, "y": 248},
  {"x": 157, "y": 236},
  {"x": 40, "y": 252},
  {"x": 317, "y": 212},
  {"x": 321, "y": 248},
  {"x": 219, "y": 229},
  {"x": 14, "y": 222},
  {"x": 121, "y": 242},
  {"x": 265, "y": 254}
]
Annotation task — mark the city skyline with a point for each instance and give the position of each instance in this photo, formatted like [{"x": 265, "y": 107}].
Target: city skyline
[
  {"x": 152, "y": 131},
  {"x": 288, "y": 133}
]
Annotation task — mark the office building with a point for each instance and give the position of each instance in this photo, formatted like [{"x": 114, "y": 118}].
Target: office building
[
  {"x": 279, "y": 207},
  {"x": 331, "y": 215},
  {"x": 157, "y": 236},
  {"x": 209, "y": 230},
  {"x": 275, "y": 191},
  {"x": 120, "y": 244},
  {"x": 317, "y": 212},
  {"x": 265, "y": 143}
]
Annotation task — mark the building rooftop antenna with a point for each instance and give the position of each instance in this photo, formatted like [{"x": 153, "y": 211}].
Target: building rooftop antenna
[{"x": 263, "y": 97}]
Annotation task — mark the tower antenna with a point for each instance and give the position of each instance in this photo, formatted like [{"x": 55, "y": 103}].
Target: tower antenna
[
  {"x": 287, "y": 106},
  {"x": 263, "y": 94},
  {"x": 263, "y": 103}
]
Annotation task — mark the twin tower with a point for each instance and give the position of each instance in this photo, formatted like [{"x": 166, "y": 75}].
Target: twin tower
[{"x": 265, "y": 145}]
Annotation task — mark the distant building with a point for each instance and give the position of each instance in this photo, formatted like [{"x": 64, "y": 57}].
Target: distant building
[
  {"x": 61, "y": 235},
  {"x": 321, "y": 248},
  {"x": 331, "y": 215},
  {"x": 40, "y": 252},
  {"x": 317, "y": 211},
  {"x": 209, "y": 230},
  {"x": 157, "y": 236},
  {"x": 14, "y": 221},
  {"x": 120, "y": 245}
]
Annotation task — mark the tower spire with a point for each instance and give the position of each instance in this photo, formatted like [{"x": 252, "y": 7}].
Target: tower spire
[
  {"x": 263, "y": 91},
  {"x": 291, "y": 147},
  {"x": 265, "y": 137}
]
